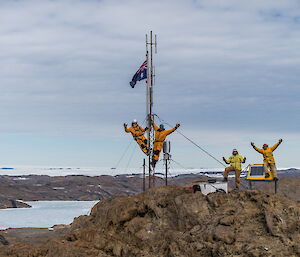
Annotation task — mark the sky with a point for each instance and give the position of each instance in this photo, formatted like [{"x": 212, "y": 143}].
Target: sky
[{"x": 228, "y": 71}]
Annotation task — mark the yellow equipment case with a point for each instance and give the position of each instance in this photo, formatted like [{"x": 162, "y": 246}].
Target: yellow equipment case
[{"x": 256, "y": 172}]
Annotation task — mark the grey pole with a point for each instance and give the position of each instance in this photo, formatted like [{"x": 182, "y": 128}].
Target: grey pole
[
  {"x": 166, "y": 163},
  {"x": 144, "y": 175},
  {"x": 150, "y": 101}
]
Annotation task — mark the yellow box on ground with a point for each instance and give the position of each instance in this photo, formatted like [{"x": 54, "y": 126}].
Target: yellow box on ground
[{"x": 257, "y": 172}]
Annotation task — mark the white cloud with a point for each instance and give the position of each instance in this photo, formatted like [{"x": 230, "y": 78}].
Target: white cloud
[{"x": 227, "y": 65}]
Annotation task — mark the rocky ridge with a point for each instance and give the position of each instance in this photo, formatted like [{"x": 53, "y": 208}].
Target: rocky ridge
[
  {"x": 173, "y": 222},
  {"x": 10, "y": 203}
]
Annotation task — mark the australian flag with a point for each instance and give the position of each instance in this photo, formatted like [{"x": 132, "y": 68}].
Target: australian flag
[{"x": 139, "y": 75}]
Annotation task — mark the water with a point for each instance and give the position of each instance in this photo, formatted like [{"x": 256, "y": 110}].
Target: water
[{"x": 44, "y": 214}]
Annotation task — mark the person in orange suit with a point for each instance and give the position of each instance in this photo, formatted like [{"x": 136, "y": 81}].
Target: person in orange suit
[
  {"x": 269, "y": 160},
  {"x": 137, "y": 133},
  {"x": 235, "y": 161},
  {"x": 160, "y": 136}
]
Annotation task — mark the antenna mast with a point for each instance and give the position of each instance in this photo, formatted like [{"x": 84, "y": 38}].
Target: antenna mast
[{"x": 149, "y": 100}]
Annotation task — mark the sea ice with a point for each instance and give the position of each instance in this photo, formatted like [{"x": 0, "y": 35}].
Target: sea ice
[{"x": 44, "y": 214}]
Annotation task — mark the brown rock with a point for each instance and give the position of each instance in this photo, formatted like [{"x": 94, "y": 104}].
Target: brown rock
[
  {"x": 224, "y": 234},
  {"x": 3, "y": 241},
  {"x": 227, "y": 220},
  {"x": 172, "y": 221}
]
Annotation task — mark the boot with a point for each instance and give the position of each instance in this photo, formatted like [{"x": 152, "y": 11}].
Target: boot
[{"x": 153, "y": 163}]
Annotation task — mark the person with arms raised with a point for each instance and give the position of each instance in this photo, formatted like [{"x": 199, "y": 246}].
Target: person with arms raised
[
  {"x": 269, "y": 160},
  {"x": 160, "y": 135},
  {"x": 137, "y": 133},
  {"x": 235, "y": 161}
]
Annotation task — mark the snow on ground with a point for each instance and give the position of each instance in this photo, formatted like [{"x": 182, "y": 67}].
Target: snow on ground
[
  {"x": 54, "y": 171},
  {"x": 98, "y": 171},
  {"x": 90, "y": 171},
  {"x": 44, "y": 214}
]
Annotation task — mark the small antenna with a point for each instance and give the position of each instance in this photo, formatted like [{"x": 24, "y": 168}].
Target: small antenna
[{"x": 146, "y": 43}]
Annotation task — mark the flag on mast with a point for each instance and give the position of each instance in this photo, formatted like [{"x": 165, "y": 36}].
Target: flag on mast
[{"x": 139, "y": 75}]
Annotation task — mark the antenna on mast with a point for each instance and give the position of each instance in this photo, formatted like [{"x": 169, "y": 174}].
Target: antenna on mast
[
  {"x": 155, "y": 43},
  {"x": 149, "y": 100}
]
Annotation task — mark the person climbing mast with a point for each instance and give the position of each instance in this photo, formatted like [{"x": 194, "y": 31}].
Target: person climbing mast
[
  {"x": 269, "y": 161},
  {"x": 137, "y": 133},
  {"x": 235, "y": 161},
  {"x": 160, "y": 136}
]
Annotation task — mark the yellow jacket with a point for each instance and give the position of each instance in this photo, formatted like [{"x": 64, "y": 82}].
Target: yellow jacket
[
  {"x": 268, "y": 153},
  {"x": 160, "y": 136},
  {"x": 135, "y": 131},
  {"x": 235, "y": 161}
]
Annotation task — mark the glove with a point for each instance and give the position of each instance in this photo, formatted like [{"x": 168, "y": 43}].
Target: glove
[
  {"x": 224, "y": 159},
  {"x": 177, "y": 125},
  {"x": 244, "y": 159},
  {"x": 146, "y": 128},
  {"x": 280, "y": 140},
  {"x": 252, "y": 143},
  {"x": 125, "y": 125}
]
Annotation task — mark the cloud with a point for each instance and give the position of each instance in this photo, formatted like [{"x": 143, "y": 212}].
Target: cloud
[{"x": 227, "y": 65}]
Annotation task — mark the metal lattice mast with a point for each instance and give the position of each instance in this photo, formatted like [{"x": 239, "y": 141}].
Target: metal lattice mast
[{"x": 149, "y": 99}]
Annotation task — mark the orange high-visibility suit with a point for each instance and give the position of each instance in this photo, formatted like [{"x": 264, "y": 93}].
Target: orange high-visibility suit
[
  {"x": 268, "y": 153},
  {"x": 160, "y": 136},
  {"x": 138, "y": 135},
  {"x": 269, "y": 160},
  {"x": 235, "y": 162}
]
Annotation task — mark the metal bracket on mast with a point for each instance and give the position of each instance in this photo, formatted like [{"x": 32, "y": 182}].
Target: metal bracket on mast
[{"x": 149, "y": 100}]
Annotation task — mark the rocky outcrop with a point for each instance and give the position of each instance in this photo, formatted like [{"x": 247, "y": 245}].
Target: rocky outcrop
[
  {"x": 10, "y": 203},
  {"x": 3, "y": 241},
  {"x": 287, "y": 186},
  {"x": 85, "y": 188},
  {"x": 173, "y": 221}
]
